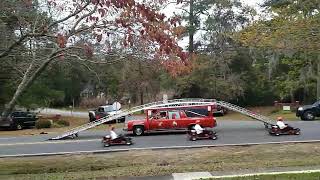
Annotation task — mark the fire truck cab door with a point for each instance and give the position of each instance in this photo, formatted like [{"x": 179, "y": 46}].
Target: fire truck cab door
[
  {"x": 174, "y": 119},
  {"x": 160, "y": 122}
]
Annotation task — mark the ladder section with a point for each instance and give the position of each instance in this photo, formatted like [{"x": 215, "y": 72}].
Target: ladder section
[
  {"x": 169, "y": 103},
  {"x": 267, "y": 121}
]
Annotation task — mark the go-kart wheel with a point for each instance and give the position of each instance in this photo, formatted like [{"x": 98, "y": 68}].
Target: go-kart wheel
[
  {"x": 128, "y": 143},
  {"x": 106, "y": 144},
  {"x": 297, "y": 133},
  {"x": 193, "y": 138},
  {"x": 214, "y": 137},
  {"x": 277, "y": 134}
]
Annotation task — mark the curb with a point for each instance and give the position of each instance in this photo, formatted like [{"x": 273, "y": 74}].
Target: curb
[{"x": 152, "y": 148}]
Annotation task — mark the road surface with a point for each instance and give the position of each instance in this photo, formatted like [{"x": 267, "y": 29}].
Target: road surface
[{"x": 229, "y": 132}]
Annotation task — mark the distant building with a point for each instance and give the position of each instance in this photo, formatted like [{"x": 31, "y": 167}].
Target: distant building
[
  {"x": 91, "y": 92},
  {"x": 88, "y": 91}
]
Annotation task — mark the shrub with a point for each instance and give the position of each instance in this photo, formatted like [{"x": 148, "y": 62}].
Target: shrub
[
  {"x": 43, "y": 123},
  {"x": 62, "y": 122}
]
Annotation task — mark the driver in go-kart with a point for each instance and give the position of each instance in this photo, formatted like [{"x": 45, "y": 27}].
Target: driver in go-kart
[
  {"x": 113, "y": 134},
  {"x": 198, "y": 129},
  {"x": 280, "y": 123},
  {"x": 284, "y": 127}
]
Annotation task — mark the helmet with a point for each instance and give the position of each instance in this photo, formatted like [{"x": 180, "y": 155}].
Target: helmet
[{"x": 279, "y": 119}]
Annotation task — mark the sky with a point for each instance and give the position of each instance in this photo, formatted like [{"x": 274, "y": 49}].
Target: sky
[
  {"x": 171, "y": 9},
  {"x": 252, "y": 2}
]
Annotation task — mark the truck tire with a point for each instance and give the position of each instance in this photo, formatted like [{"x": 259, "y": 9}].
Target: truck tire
[
  {"x": 138, "y": 130},
  {"x": 19, "y": 127},
  {"x": 309, "y": 116},
  {"x": 91, "y": 117},
  {"x": 121, "y": 120}
]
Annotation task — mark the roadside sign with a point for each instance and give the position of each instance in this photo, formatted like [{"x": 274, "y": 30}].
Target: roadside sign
[
  {"x": 116, "y": 106},
  {"x": 165, "y": 98},
  {"x": 286, "y": 108}
]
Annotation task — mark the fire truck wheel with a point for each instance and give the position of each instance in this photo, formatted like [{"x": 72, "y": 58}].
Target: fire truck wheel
[{"x": 138, "y": 130}]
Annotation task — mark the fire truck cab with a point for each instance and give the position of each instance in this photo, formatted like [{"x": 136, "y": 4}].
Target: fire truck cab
[{"x": 172, "y": 119}]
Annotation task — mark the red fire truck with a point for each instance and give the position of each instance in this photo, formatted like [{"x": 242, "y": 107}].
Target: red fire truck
[{"x": 172, "y": 119}]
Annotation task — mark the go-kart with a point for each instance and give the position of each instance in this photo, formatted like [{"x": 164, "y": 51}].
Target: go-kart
[
  {"x": 206, "y": 134},
  {"x": 276, "y": 131},
  {"x": 121, "y": 140}
]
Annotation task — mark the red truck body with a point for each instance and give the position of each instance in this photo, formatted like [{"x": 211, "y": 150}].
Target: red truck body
[{"x": 171, "y": 118}]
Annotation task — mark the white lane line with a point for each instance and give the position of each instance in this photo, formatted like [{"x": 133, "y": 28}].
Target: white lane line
[
  {"x": 151, "y": 148},
  {"x": 49, "y": 142},
  {"x": 161, "y": 147},
  {"x": 191, "y": 175},
  {"x": 9, "y": 138},
  {"x": 267, "y": 173}
]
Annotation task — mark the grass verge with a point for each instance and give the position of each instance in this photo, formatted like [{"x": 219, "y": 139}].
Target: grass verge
[
  {"x": 161, "y": 162},
  {"x": 268, "y": 111},
  {"x": 74, "y": 122}
]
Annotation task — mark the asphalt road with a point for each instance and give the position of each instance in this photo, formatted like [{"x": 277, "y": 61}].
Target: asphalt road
[
  {"x": 229, "y": 132},
  {"x": 51, "y": 111}
]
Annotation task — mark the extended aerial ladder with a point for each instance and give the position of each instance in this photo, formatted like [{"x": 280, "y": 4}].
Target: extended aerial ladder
[
  {"x": 268, "y": 122},
  {"x": 170, "y": 103}
]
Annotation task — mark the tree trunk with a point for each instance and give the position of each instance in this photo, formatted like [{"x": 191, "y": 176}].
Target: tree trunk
[
  {"x": 141, "y": 97},
  {"x": 191, "y": 27},
  {"x": 25, "y": 83},
  {"x": 292, "y": 95},
  {"x": 318, "y": 78}
]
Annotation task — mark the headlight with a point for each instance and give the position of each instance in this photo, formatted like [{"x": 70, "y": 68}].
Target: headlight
[{"x": 300, "y": 108}]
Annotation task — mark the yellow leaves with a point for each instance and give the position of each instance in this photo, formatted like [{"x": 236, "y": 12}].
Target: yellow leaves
[
  {"x": 299, "y": 34},
  {"x": 178, "y": 31}
]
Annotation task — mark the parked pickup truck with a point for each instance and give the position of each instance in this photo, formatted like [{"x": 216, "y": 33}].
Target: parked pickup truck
[
  {"x": 106, "y": 110},
  {"x": 309, "y": 112},
  {"x": 19, "y": 120},
  {"x": 171, "y": 118}
]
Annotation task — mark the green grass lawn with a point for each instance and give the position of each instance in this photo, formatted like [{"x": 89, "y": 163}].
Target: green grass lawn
[
  {"x": 161, "y": 162},
  {"x": 268, "y": 111}
]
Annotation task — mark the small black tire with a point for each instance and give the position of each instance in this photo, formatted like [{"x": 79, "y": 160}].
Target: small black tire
[
  {"x": 214, "y": 137},
  {"x": 138, "y": 131},
  {"x": 190, "y": 127},
  {"x": 106, "y": 145}
]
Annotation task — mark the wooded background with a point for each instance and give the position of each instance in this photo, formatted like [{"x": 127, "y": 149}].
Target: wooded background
[{"x": 90, "y": 51}]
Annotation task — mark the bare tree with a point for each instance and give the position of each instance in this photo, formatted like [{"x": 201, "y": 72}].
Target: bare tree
[{"x": 72, "y": 28}]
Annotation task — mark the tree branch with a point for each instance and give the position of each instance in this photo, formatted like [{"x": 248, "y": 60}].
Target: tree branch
[
  {"x": 70, "y": 16},
  {"x": 84, "y": 16}
]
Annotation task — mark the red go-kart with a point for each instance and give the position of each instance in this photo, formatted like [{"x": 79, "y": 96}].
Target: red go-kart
[
  {"x": 206, "y": 134},
  {"x": 276, "y": 131},
  {"x": 121, "y": 140}
]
